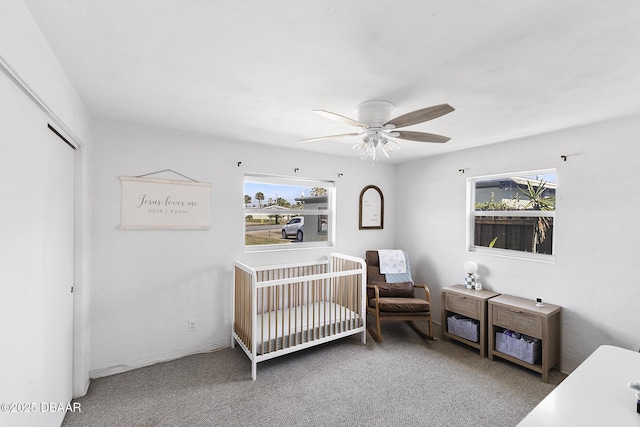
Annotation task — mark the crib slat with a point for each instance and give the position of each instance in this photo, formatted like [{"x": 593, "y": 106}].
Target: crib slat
[
  {"x": 332, "y": 299},
  {"x": 261, "y": 293},
  {"x": 290, "y": 287},
  {"x": 306, "y": 299},
  {"x": 279, "y": 305}
]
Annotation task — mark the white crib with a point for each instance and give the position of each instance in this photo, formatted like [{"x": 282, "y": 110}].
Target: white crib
[{"x": 285, "y": 308}]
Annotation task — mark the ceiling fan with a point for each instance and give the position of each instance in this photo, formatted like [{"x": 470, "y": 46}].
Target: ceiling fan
[{"x": 377, "y": 128}]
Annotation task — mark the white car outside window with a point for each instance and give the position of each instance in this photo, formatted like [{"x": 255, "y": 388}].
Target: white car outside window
[{"x": 294, "y": 228}]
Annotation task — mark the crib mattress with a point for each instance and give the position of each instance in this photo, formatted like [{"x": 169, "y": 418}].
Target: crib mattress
[{"x": 292, "y": 323}]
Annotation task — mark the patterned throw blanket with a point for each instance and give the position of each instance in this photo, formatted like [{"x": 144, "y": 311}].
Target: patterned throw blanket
[
  {"x": 394, "y": 264},
  {"x": 392, "y": 261}
]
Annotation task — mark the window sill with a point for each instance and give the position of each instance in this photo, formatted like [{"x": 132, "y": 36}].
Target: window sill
[
  {"x": 292, "y": 246},
  {"x": 506, "y": 253}
]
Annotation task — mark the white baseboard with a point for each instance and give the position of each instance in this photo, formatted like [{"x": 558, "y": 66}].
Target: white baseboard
[{"x": 141, "y": 363}]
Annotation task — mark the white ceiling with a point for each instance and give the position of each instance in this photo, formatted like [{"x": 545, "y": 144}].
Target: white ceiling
[{"x": 253, "y": 70}]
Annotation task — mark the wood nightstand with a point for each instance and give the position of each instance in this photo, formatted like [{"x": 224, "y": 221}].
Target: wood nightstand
[
  {"x": 523, "y": 316},
  {"x": 457, "y": 299}
]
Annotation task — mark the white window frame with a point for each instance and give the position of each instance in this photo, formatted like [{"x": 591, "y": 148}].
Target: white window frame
[
  {"x": 472, "y": 214},
  {"x": 293, "y": 181}
]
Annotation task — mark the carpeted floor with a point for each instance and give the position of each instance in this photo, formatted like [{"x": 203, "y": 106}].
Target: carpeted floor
[{"x": 402, "y": 381}]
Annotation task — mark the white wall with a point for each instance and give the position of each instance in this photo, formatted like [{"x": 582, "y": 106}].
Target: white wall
[
  {"x": 594, "y": 277},
  {"x": 147, "y": 284}
]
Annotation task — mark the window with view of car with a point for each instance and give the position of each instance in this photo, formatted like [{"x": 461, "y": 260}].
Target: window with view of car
[
  {"x": 513, "y": 214},
  {"x": 287, "y": 213}
]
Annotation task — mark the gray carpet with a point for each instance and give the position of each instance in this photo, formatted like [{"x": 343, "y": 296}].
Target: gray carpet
[{"x": 403, "y": 381}]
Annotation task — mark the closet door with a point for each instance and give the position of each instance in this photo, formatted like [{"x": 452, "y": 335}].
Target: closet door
[
  {"x": 58, "y": 253},
  {"x": 36, "y": 262}
]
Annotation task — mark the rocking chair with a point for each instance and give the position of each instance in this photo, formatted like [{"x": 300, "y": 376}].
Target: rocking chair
[{"x": 395, "y": 301}]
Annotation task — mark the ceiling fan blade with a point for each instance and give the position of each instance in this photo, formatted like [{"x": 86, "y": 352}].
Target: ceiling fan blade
[
  {"x": 420, "y": 116},
  {"x": 339, "y": 118},
  {"x": 342, "y": 135},
  {"x": 420, "y": 136}
]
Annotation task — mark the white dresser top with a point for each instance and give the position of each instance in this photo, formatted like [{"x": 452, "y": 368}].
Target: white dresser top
[{"x": 595, "y": 394}]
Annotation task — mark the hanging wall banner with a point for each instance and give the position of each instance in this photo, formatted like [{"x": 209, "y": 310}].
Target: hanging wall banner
[{"x": 160, "y": 204}]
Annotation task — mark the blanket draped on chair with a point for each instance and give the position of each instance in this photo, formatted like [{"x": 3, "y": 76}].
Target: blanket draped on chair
[{"x": 394, "y": 264}]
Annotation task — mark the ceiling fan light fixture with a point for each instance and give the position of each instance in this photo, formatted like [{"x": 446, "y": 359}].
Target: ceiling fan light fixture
[
  {"x": 390, "y": 145},
  {"x": 358, "y": 146},
  {"x": 367, "y": 148},
  {"x": 383, "y": 145}
]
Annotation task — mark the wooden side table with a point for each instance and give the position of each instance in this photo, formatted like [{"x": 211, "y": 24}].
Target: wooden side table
[
  {"x": 457, "y": 299},
  {"x": 523, "y": 316}
]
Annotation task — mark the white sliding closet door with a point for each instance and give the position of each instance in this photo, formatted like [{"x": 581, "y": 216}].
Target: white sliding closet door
[
  {"x": 36, "y": 263},
  {"x": 58, "y": 267}
]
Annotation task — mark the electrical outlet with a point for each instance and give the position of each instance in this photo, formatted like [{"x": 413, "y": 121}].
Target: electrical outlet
[{"x": 192, "y": 325}]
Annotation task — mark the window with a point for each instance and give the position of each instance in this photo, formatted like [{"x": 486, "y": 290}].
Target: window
[
  {"x": 513, "y": 214},
  {"x": 287, "y": 213}
]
